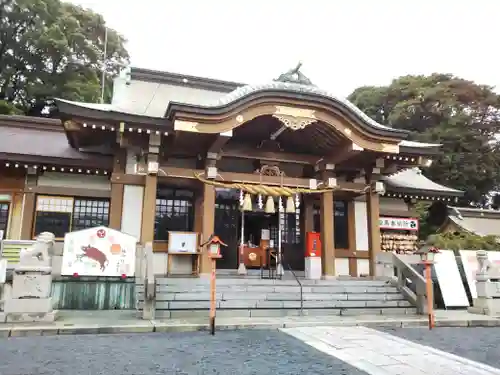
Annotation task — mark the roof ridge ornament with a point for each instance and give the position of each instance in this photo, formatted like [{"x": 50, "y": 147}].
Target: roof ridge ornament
[{"x": 295, "y": 76}]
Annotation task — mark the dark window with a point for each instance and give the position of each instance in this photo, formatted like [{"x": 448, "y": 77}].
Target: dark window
[
  {"x": 174, "y": 212},
  {"x": 340, "y": 224},
  {"x": 4, "y": 217},
  {"x": 60, "y": 215},
  {"x": 58, "y": 223},
  {"x": 88, "y": 213}
]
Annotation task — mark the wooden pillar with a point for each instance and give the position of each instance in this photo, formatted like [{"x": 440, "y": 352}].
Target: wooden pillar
[
  {"x": 207, "y": 223},
  {"x": 351, "y": 228},
  {"x": 29, "y": 202},
  {"x": 29, "y": 205},
  {"x": 116, "y": 202},
  {"x": 327, "y": 234},
  {"x": 373, "y": 214},
  {"x": 149, "y": 209},
  {"x": 116, "y": 206}
]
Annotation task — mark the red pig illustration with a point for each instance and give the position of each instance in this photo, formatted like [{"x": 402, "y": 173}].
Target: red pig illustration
[{"x": 94, "y": 254}]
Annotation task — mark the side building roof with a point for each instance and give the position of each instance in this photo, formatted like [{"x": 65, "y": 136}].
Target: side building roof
[
  {"x": 412, "y": 183},
  {"x": 474, "y": 220}
]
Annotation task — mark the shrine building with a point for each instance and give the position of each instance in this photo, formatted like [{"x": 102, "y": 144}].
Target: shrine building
[{"x": 180, "y": 153}]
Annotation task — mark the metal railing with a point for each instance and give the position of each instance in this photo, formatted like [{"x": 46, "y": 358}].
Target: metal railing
[{"x": 298, "y": 282}]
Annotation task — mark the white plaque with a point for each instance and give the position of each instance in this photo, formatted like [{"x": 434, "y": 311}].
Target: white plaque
[
  {"x": 98, "y": 251},
  {"x": 3, "y": 270},
  {"x": 1, "y": 235},
  {"x": 449, "y": 279},
  {"x": 182, "y": 242},
  {"x": 265, "y": 234}
]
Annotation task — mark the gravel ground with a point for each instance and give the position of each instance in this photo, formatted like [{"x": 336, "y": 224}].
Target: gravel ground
[
  {"x": 238, "y": 352},
  {"x": 477, "y": 344}
]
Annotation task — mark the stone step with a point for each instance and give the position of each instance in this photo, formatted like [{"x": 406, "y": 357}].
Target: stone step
[
  {"x": 277, "y": 289},
  {"x": 273, "y": 313},
  {"x": 254, "y": 282},
  {"x": 228, "y": 296},
  {"x": 265, "y": 304}
]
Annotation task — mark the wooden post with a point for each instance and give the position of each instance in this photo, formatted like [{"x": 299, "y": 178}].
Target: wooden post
[
  {"x": 430, "y": 299},
  {"x": 212, "y": 296},
  {"x": 207, "y": 223},
  {"x": 373, "y": 216},
  {"x": 149, "y": 209},
  {"x": 327, "y": 234}
]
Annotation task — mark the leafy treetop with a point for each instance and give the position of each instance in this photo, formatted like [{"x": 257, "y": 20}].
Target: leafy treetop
[{"x": 50, "y": 48}]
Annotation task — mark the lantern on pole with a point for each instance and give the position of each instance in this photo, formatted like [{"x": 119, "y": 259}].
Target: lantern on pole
[
  {"x": 213, "y": 245},
  {"x": 427, "y": 254}
]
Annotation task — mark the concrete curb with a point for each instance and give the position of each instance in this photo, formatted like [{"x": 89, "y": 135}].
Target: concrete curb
[{"x": 85, "y": 329}]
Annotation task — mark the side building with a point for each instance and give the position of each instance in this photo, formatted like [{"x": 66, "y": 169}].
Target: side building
[{"x": 175, "y": 152}]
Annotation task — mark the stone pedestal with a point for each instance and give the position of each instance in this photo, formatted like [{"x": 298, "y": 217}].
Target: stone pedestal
[
  {"x": 313, "y": 268},
  {"x": 487, "y": 287},
  {"x": 29, "y": 299}
]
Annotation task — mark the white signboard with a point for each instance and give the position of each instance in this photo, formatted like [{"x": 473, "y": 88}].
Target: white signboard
[
  {"x": 450, "y": 282},
  {"x": 98, "y": 252},
  {"x": 469, "y": 261},
  {"x": 1, "y": 235},
  {"x": 182, "y": 242},
  {"x": 398, "y": 223},
  {"x": 3, "y": 270}
]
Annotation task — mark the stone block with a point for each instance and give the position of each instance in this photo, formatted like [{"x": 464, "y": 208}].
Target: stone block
[
  {"x": 188, "y": 305},
  {"x": 382, "y": 303},
  {"x": 194, "y": 296},
  {"x": 271, "y": 313},
  {"x": 246, "y": 295},
  {"x": 283, "y": 296},
  {"x": 324, "y": 297},
  {"x": 319, "y": 304},
  {"x": 270, "y": 304},
  {"x": 237, "y": 304},
  {"x": 366, "y": 297},
  {"x": 31, "y": 285},
  {"x": 28, "y": 305},
  {"x": 291, "y": 304},
  {"x": 358, "y": 312},
  {"x": 24, "y": 317},
  {"x": 350, "y": 304}
]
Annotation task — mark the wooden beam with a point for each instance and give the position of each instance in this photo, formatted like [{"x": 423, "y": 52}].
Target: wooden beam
[
  {"x": 218, "y": 143},
  {"x": 342, "y": 154},
  {"x": 254, "y": 178},
  {"x": 244, "y": 152}
]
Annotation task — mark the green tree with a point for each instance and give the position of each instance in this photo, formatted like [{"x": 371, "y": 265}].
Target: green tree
[
  {"x": 441, "y": 108},
  {"x": 49, "y": 48}
]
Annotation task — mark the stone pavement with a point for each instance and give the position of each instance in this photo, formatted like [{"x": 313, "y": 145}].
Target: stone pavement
[
  {"x": 192, "y": 353},
  {"x": 379, "y": 353},
  {"x": 92, "y": 322}
]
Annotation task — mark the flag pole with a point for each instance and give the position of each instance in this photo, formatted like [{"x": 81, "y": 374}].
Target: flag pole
[{"x": 103, "y": 77}]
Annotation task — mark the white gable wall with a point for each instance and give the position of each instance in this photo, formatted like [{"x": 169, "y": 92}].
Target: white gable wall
[{"x": 151, "y": 99}]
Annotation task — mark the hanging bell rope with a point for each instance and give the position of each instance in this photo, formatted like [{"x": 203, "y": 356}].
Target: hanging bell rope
[{"x": 274, "y": 191}]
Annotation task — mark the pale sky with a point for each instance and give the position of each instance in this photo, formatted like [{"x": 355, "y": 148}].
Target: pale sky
[{"x": 342, "y": 44}]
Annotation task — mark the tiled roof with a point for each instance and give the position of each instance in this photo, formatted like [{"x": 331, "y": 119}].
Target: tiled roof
[
  {"x": 413, "y": 179},
  {"x": 476, "y": 221}
]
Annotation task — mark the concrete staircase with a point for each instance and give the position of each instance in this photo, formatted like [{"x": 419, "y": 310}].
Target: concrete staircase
[{"x": 254, "y": 297}]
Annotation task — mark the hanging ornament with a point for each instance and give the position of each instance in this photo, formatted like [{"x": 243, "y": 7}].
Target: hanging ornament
[
  {"x": 247, "y": 203},
  {"x": 297, "y": 200},
  {"x": 260, "y": 203},
  {"x": 280, "y": 205},
  {"x": 270, "y": 206},
  {"x": 290, "y": 206},
  {"x": 241, "y": 198}
]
